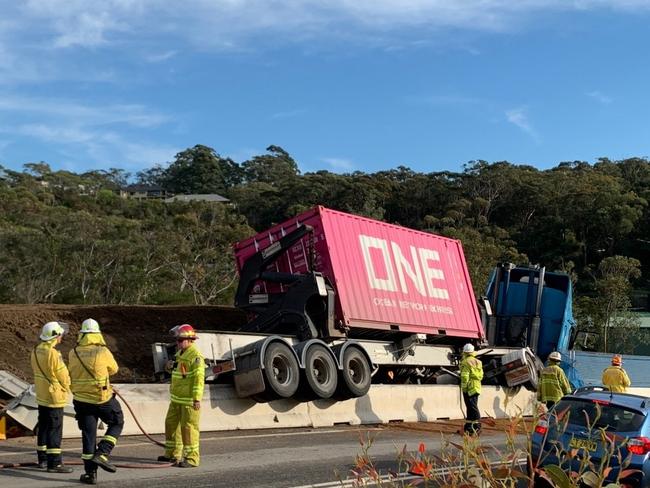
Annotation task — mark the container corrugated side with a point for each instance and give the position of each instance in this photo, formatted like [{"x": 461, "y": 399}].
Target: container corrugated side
[{"x": 391, "y": 277}]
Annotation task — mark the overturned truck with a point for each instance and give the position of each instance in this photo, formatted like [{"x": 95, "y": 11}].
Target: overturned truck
[{"x": 338, "y": 301}]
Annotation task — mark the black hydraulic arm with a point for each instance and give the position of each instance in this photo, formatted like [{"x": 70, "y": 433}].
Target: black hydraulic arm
[{"x": 256, "y": 265}]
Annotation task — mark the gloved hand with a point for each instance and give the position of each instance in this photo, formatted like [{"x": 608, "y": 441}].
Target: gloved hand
[{"x": 169, "y": 366}]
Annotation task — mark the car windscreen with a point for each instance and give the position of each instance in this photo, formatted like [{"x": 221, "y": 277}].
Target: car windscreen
[{"x": 596, "y": 415}]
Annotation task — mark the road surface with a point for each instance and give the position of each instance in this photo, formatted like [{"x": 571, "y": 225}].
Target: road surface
[{"x": 290, "y": 458}]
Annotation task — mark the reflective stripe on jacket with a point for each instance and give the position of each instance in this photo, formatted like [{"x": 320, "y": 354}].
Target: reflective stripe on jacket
[
  {"x": 188, "y": 376},
  {"x": 53, "y": 383},
  {"x": 553, "y": 384},
  {"x": 616, "y": 379},
  {"x": 97, "y": 358},
  {"x": 471, "y": 374}
]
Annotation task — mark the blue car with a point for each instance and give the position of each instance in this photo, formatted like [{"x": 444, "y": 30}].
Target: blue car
[{"x": 596, "y": 430}]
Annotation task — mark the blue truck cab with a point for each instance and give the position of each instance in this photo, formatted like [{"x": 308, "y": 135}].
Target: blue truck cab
[{"x": 533, "y": 308}]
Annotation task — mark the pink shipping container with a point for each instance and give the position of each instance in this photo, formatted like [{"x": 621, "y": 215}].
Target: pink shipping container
[{"x": 386, "y": 277}]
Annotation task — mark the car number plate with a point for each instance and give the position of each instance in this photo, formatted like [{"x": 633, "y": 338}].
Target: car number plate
[{"x": 587, "y": 444}]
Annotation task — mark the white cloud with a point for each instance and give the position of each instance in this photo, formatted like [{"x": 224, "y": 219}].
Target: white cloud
[
  {"x": 94, "y": 148},
  {"x": 519, "y": 117},
  {"x": 88, "y": 30},
  {"x": 227, "y": 24},
  {"x": 157, "y": 58},
  {"x": 41, "y": 35},
  {"x": 339, "y": 164},
  {"x": 600, "y": 97},
  {"x": 82, "y": 114},
  {"x": 96, "y": 135}
]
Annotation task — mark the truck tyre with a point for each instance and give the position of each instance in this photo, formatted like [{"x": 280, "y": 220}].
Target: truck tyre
[
  {"x": 281, "y": 371},
  {"x": 355, "y": 374},
  {"x": 534, "y": 368},
  {"x": 320, "y": 372}
]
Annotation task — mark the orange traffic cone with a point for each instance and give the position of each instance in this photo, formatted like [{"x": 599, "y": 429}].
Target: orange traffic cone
[{"x": 419, "y": 465}]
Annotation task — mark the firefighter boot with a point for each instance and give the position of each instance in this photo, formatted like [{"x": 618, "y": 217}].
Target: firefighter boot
[
  {"x": 89, "y": 478},
  {"x": 165, "y": 459},
  {"x": 101, "y": 460},
  {"x": 59, "y": 468}
]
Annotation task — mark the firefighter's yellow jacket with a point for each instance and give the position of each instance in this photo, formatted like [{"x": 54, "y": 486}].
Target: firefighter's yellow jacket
[
  {"x": 553, "y": 384},
  {"x": 471, "y": 374},
  {"x": 51, "y": 378},
  {"x": 91, "y": 365},
  {"x": 188, "y": 376},
  {"x": 616, "y": 379}
]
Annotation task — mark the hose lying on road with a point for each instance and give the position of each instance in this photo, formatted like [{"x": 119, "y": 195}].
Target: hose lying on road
[{"x": 161, "y": 444}]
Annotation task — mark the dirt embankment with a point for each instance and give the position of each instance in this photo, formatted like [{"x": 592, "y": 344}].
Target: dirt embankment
[{"x": 129, "y": 331}]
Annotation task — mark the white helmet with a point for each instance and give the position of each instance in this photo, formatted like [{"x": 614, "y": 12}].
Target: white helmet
[
  {"x": 89, "y": 326},
  {"x": 555, "y": 356},
  {"x": 51, "y": 330},
  {"x": 468, "y": 347}
]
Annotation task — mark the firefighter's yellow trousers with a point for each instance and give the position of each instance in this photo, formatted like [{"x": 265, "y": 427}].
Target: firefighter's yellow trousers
[{"x": 182, "y": 433}]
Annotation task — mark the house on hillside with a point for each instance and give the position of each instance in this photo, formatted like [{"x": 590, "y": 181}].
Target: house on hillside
[
  {"x": 199, "y": 197},
  {"x": 144, "y": 192}
]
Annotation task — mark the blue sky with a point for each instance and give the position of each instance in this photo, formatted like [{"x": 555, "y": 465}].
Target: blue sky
[{"x": 342, "y": 85}]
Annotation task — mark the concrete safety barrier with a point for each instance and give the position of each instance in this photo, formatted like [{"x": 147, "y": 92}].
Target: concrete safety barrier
[
  {"x": 645, "y": 392},
  {"x": 222, "y": 410}
]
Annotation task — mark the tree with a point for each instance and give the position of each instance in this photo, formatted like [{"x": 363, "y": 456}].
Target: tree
[
  {"x": 483, "y": 250},
  {"x": 607, "y": 314},
  {"x": 200, "y": 170},
  {"x": 114, "y": 178},
  {"x": 152, "y": 176},
  {"x": 274, "y": 168}
]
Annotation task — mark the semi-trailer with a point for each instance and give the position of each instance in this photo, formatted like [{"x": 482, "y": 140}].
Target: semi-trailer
[{"x": 338, "y": 301}]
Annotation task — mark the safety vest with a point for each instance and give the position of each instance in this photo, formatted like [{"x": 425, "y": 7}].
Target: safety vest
[
  {"x": 91, "y": 365},
  {"x": 51, "y": 378},
  {"x": 553, "y": 384},
  {"x": 471, "y": 374},
  {"x": 616, "y": 379},
  {"x": 188, "y": 376}
]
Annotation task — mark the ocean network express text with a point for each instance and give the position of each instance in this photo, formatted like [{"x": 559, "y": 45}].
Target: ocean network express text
[{"x": 426, "y": 279}]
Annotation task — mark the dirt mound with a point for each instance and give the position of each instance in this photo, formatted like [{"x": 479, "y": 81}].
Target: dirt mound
[{"x": 129, "y": 331}]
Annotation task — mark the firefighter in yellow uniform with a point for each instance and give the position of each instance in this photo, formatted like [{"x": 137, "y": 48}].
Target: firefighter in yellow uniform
[
  {"x": 471, "y": 374},
  {"x": 52, "y": 383},
  {"x": 614, "y": 377},
  {"x": 91, "y": 365},
  {"x": 186, "y": 391},
  {"x": 553, "y": 383}
]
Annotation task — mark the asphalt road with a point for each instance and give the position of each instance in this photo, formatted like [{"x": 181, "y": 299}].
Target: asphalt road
[{"x": 296, "y": 458}]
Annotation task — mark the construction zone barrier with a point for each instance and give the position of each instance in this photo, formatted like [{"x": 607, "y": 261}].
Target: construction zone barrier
[{"x": 145, "y": 407}]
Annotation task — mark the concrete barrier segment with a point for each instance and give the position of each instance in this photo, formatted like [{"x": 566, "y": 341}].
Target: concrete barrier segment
[{"x": 223, "y": 410}]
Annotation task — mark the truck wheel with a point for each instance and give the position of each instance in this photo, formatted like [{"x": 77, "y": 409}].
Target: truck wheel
[
  {"x": 281, "y": 371},
  {"x": 355, "y": 374},
  {"x": 534, "y": 368},
  {"x": 320, "y": 372}
]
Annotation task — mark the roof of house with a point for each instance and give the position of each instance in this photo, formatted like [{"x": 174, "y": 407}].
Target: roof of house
[{"x": 202, "y": 197}]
